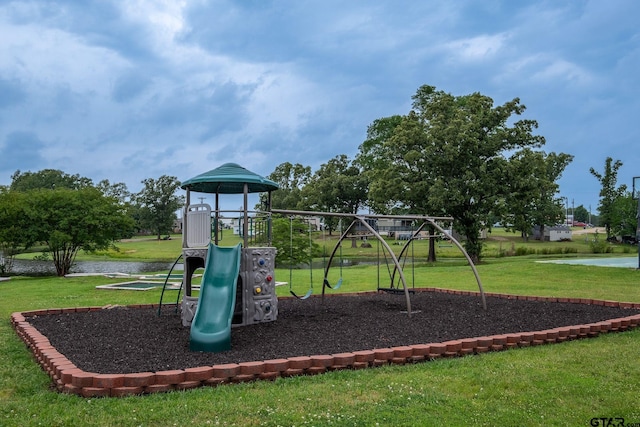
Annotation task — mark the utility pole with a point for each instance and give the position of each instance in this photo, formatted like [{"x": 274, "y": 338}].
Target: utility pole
[{"x": 636, "y": 195}]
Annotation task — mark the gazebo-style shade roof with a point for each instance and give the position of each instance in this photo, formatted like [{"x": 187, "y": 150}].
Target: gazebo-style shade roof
[{"x": 229, "y": 179}]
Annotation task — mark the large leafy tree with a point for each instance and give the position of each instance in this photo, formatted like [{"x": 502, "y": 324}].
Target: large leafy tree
[
  {"x": 293, "y": 248},
  {"x": 69, "y": 220},
  {"x": 581, "y": 214},
  {"x": 118, "y": 191},
  {"x": 51, "y": 179},
  {"x": 447, "y": 156},
  {"x": 16, "y": 233},
  {"x": 157, "y": 203},
  {"x": 31, "y": 195},
  {"x": 372, "y": 158},
  {"x": 398, "y": 179},
  {"x": 47, "y": 179},
  {"x": 337, "y": 186},
  {"x": 291, "y": 179},
  {"x": 531, "y": 197},
  {"x": 608, "y": 191},
  {"x": 396, "y": 190},
  {"x": 291, "y": 239},
  {"x": 624, "y": 212}
]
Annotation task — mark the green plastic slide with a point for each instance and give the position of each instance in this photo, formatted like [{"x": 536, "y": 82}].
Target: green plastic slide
[{"x": 211, "y": 326}]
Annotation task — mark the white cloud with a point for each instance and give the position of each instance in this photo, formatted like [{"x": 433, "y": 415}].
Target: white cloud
[
  {"x": 283, "y": 100},
  {"x": 545, "y": 69},
  {"x": 135, "y": 89},
  {"x": 48, "y": 57},
  {"x": 479, "y": 48},
  {"x": 161, "y": 20},
  {"x": 561, "y": 69}
]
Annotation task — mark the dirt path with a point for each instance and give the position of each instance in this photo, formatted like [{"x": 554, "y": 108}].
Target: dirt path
[{"x": 591, "y": 230}]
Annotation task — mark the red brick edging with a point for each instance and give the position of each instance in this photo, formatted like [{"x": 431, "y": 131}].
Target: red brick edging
[{"x": 67, "y": 378}]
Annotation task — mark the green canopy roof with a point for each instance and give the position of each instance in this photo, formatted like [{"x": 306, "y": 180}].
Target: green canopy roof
[{"x": 229, "y": 179}]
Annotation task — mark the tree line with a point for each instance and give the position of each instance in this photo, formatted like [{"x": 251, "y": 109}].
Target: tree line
[
  {"x": 456, "y": 156},
  {"x": 67, "y": 213}
]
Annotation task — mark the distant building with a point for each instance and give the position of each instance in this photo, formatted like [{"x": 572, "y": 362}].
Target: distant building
[
  {"x": 401, "y": 229},
  {"x": 552, "y": 233}
]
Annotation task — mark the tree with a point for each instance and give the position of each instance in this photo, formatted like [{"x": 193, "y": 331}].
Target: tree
[
  {"x": 16, "y": 230},
  {"x": 121, "y": 194},
  {"x": 69, "y": 220},
  {"x": 624, "y": 221},
  {"x": 581, "y": 214},
  {"x": 291, "y": 179},
  {"x": 117, "y": 190},
  {"x": 338, "y": 186},
  {"x": 47, "y": 179},
  {"x": 447, "y": 156},
  {"x": 394, "y": 165},
  {"x": 373, "y": 154},
  {"x": 291, "y": 239},
  {"x": 157, "y": 204},
  {"x": 16, "y": 233},
  {"x": 531, "y": 190},
  {"x": 391, "y": 190},
  {"x": 608, "y": 193}
]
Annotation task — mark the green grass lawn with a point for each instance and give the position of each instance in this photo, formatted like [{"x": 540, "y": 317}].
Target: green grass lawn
[
  {"x": 499, "y": 243},
  {"x": 563, "y": 384}
]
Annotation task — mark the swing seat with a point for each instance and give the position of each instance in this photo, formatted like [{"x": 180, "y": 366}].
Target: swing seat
[
  {"x": 336, "y": 286},
  {"x": 305, "y": 296}
]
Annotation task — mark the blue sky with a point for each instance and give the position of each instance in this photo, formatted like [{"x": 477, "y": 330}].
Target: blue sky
[{"x": 128, "y": 90}]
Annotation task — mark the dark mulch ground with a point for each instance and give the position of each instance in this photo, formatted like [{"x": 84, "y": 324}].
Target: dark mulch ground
[{"x": 126, "y": 340}]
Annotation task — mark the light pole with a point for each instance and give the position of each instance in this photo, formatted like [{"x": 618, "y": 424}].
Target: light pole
[{"x": 636, "y": 195}]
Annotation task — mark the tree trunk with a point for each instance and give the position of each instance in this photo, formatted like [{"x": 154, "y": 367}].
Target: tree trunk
[
  {"x": 63, "y": 259},
  {"x": 432, "y": 244},
  {"x": 473, "y": 246}
]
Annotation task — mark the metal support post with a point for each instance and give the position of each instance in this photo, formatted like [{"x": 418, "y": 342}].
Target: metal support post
[{"x": 635, "y": 194}]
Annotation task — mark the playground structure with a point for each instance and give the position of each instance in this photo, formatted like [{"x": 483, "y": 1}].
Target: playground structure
[
  {"x": 238, "y": 283},
  {"x": 365, "y": 221}
]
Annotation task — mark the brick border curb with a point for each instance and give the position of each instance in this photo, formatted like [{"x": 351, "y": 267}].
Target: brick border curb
[{"x": 67, "y": 378}]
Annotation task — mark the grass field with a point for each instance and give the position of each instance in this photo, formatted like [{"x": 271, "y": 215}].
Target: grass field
[
  {"x": 500, "y": 243},
  {"x": 563, "y": 384}
]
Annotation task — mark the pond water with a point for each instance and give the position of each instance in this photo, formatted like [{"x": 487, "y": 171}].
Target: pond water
[
  {"x": 624, "y": 262},
  {"x": 43, "y": 268},
  {"x": 38, "y": 268}
]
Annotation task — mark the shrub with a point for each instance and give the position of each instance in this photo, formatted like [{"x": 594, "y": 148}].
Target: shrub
[
  {"x": 523, "y": 250},
  {"x": 600, "y": 246}
]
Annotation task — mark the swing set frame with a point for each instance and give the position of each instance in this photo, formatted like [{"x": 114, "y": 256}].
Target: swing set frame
[{"x": 361, "y": 219}]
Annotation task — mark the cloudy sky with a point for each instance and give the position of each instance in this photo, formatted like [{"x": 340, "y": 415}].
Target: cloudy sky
[{"x": 128, "y": 90}]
